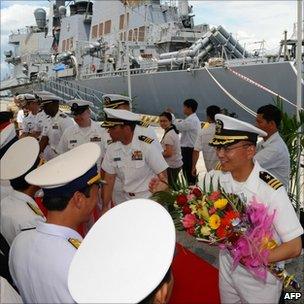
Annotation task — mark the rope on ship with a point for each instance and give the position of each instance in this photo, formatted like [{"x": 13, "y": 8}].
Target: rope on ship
[
  {"x": 249, "y": 80},
  {"x": 240, "y": 104}
]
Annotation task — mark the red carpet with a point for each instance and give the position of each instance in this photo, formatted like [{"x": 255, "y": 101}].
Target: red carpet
[{"x": 195, "y": 281}]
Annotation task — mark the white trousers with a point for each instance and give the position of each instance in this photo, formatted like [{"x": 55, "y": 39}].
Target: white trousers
[{"x": 239, "y": 286}]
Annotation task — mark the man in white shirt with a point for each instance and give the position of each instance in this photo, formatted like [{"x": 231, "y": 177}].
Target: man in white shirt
[
  {"x": 272, "y": 152},
  {"x": 19, "y": 211},
  {"x": 132, "y": 157},
  {"x": 53, "y": 127},
  {"x": 202, "y": 143},
  {"x": 85, "y": 130},
  {"x": 40, "y": 259},
  {"x": 189, "y": 129}
]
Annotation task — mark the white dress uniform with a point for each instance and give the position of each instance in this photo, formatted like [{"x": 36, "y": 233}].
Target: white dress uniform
[
  {"x": 41, "y": 119},
  {"x": 202, "y": 144},
  {"x": 29, "y": 122},
  {"x": 39, "y": 263},
  {"x": 273, "y": 155},
  {"x": 53, "y": 129},
  {"x": 75, "y": 136},
  {"x": 18, "y": 212},
  {"x": 8, "y": 294},
  {"x": 239, "y": 286},
  {"x": 135, "y": 165}
]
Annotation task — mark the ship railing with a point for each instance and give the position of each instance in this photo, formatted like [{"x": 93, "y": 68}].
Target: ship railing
[{"x": 120, "y": 73}]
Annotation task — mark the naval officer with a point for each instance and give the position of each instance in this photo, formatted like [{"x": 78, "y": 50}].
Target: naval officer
[
  {"x": 19, "y": 211},
  {"x": 85, "y": 130},
  {"x": 40, "y": 259},
  {"x": 131, "y": 157},
  {"x": 235, "y": 144},
  {"x": 54, "y": 126}
]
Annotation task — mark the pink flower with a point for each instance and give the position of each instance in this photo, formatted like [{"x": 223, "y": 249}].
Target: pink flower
[
  {"x": 212, "y": 210},
  {"x": 189, "y": 221},
  {"x": 190, "y": 197},
  {"x": 197, "y": 192},
  {"x": 214, "y": 196}
]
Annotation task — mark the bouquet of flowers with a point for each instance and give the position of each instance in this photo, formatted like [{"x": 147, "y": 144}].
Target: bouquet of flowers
[{"x": 223, "y": 219}]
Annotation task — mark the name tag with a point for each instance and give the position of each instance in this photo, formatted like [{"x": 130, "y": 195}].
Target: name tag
[
  {"x": 95, "y": 139},
  {"x": 137, "y": 155},
  {"x": 73, "y": 141},
  {"x": 117, "y": 159}
]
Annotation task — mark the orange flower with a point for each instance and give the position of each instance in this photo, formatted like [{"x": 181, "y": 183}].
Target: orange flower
[{"x": 229, "y": 217}]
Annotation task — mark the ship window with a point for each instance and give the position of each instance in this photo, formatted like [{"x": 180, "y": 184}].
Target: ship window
[
  {"x": 141, "y": 33},
  {"x": 128, "y": 18},
  {"x": 63, "y": 45},
  {"x": 67, "y": 44},
  {"x": 130, "y": 35},
  {"x": 94, "y": 31},
  {"x": 122, "y": 22},
  {"x": 71, "y": 43},
  {"x": 107, "y": 28},
  {"x": 100, "y": 31},
  {"x": 135, "y": 34}
]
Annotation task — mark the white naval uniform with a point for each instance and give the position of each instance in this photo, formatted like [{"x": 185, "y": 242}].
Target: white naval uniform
[
  {"x": 28, "y": 123},
  {"x": 39, "y": 263},
  {"x": 273, "y": 155},
  {"x": 202, "y": 144},
  {"x": 5, "y": 188},
  {"x": 135, "y": 165},
  {"x": 53, "y": 128},
  {"x": 7, "y": 293},
  {"x": 75, "y": 136},
  {"x": 41, "y": 119},
  {"x": 18, "y": 212},
  {"x": 239, "y": 286}
]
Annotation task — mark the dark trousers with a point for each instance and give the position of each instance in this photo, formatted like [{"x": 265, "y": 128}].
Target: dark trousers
[
  {"x": 172, "y": 176},
  {"x": 187, "y": 165}
]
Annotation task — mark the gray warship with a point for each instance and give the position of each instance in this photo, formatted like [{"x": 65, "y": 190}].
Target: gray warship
[{"x": 151, "y": 50}]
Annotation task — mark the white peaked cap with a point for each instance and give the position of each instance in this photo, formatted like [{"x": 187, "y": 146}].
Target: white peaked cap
[
  {"x": 125, "y": 255},
  {"x": 122, "y": 115},
  {"x": 79, "y": 103},
  {"x": 66, "y": 167},
  {"x": 19, "y": 158},
  {"x": 7, "y": 134}
]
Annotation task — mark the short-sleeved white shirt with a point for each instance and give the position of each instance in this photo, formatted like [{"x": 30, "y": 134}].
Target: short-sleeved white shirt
[
  {"x": 18, "y": 212},
  {"x": 20, "y": 116},
  {"x": 273, "y": 155},
  {"x": 39, "y": 263},
  {"x": 41, "y": 119},
  {"x": 202, "y": 144},
  {"x": 53, "y": 128},
  {"x": 134, "y": 164},
  {"x": 172, "y": 138},
  {"x": 75, "y": 136},
  {"x": 29, "y": 122},
  {"x": 189, "y": 129}
]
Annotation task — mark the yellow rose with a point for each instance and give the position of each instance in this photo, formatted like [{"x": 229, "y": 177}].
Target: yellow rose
[
  {"x": 214, "y": 221},
  {"x": 220, "y": 203},
  {"x": 202, "y": 212},
  {"x": 205, "y": 230}
]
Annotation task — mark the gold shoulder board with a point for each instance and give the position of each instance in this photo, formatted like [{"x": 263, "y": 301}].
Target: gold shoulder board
[
  {"x": 145, "y": 139},
  {"x": 218, "y": 166},
  {"x": 144, "y": 124},
  {"x": 270, "y": 180},
  {"x": 35, "y": 209},
  {"x": 76, "y": 243}
]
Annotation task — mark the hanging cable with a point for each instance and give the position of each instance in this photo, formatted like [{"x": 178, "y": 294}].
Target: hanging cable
[{"x": 248, "y": 110}]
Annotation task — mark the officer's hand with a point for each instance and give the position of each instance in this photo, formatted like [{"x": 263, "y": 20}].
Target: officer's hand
[{"x": 157, "y": 185}]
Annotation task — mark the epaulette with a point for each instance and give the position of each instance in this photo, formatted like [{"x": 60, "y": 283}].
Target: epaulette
[
  {"x": 63, "y": 115},
  {"x": 205, "y": 125},
  {"x": 35, "y": 209},
  {"x": 218, "y": 166},
  {"x": 145, "y": 139},
  {"x": 144, "y": 124},
  {"x": 110, "y": 141},
  {"x": 76, "y": 243},
  {"x": 270, "y": 180}
]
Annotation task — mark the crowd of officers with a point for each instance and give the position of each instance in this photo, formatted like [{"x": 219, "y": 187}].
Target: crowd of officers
[{"x": 65, "y": 158}]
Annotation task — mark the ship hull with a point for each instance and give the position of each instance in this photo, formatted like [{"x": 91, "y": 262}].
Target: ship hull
[{"x": 154, "y": 92}]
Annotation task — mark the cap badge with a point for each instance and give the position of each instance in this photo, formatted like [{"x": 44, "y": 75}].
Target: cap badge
[{"x": 218, "y": 126}]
